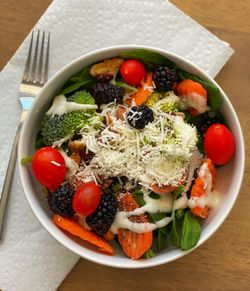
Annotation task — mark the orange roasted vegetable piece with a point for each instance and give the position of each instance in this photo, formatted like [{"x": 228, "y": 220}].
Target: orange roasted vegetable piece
[
  {"x": 76, "y": 229},
  {"x": 134, "y": 244},
  {"x": 194, "y": 95},
  {"x": 109, "y": 235},
  {"x": 143, "y": 92},
  {"x": 198, "y": 190}
]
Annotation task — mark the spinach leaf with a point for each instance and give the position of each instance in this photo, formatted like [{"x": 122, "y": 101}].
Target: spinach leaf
[
  {"x": 83, "y": 75},
  {"x": 178, "y": 192},
  {"x": 179, "y": 213},
  {"x": 193, "y": 119},
  {"x": 162, "y": 238},
  {"x": 76, "y": 79},
  {"x": 161, "y": 233},
  {"x": 175, "y": 238},
  {"x": 148, "y": 57},
  {"x": 77, "y": 85},
  {"x": 125, "y": 86},
  {"x": 154, "y": 196},
  {"x": 82, "y": 79},
  {"x": 114, "y": 188},
  {"x": 149, "y": 254},
  {"x": 191, "y": 230},
  {"x": 117, "y": 188},
  {"x": 157, "y": 216},
  {"x": 222, "y": 118},
  {"x": 214, "y": 96},
  {"x": 138, "y": 196}
]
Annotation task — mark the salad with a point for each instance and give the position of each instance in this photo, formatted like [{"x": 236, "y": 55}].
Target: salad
[{"x": 128, "y": 153}]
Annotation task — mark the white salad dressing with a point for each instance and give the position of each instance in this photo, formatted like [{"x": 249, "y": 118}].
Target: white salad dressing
[
  {"x": 181, "y": 202},
  {"x": 195, "y": 101},
  {"x": 163, "y": 204},
  {"x": 166, "y": 204},
  {"x": 211, "y": 197},
  {"x": 206, "y": 176},
  {"x": 61, "y": 106},
  {"x": 122, "y": 221},
  {"x": 59, "y": 142},
  {"x": 210, "y": 200}
]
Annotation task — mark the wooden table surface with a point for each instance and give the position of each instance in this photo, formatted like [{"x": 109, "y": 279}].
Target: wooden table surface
[{"x": 223, "y": 262}]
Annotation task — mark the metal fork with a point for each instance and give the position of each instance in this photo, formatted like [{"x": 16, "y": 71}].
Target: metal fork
[{"x": 34, "y": 77}]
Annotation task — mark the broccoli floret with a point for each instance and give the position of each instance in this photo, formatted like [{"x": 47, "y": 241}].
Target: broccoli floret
[
  {"x": 170, "y": 103},
  {"x": 57, "y": 127},
  {"x": 82, "y": 97},
  {"x": 169, "y": 106},
  {"x": 153, "y": 98},
  {"x": 166, "y": 102}
]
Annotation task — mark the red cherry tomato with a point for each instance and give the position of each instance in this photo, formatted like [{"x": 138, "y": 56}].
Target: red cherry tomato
[
  {"x": 48, "y": 167},
  {"x": 87, "y": 198},
  {"x": 133, "y": 72},
  {"x": 219, "y": 144}
]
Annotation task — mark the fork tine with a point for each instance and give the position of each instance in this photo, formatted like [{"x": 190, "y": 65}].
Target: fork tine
[
  {"x": 40, "y": 65},
  {"x": 34, "y": 64},
  {"x": 46, "y": 68},
  {"x": 36, "y": 69},
  {"x": 27, "y": 65}
]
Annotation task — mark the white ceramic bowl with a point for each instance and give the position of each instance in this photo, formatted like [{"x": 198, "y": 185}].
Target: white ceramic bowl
[{"x": 228, "y": 182}]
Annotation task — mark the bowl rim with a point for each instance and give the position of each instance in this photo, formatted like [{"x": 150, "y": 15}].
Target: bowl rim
[{"x": 132, "y": 263}]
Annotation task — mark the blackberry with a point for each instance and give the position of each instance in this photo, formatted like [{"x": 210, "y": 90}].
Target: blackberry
[
  {"x": 207, "y": 119},
  {"x": 104, "y": 93},
  {"x": 164, "y": 78},
  {"x": 139, "y": 116},
  {"x": 60, "y": 201},
  {"x": 101, "y": 220}
]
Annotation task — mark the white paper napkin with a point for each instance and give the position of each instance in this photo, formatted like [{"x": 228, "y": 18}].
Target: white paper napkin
[{"x": 30, "y": 259}]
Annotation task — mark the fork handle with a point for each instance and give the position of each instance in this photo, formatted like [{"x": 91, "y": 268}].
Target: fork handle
[{"x": 8, "y": 178}]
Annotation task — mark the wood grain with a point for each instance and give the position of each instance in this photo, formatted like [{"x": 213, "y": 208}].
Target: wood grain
[
  {"x": 16, "y": 20},
  {"x": 223, "y": 262}
]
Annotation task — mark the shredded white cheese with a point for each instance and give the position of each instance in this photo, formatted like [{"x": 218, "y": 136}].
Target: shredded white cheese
[
  {"x": 71, "y": 165},
  {"x": 59, "y": 142},
  {"x": 160, "y": 153},
  {"x": 55, "y": 163}
]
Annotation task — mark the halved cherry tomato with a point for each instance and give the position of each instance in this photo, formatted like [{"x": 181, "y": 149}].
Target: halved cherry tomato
[
  {"x": 219, "y": 144},
  {"x": 133, "y": 72},
  {"x": 48, "y": 167},
  {"x": 87, "y": 198}
]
